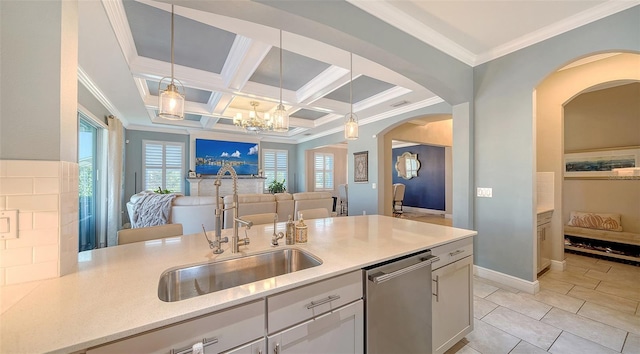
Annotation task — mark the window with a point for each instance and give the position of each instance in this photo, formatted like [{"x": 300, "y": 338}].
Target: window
[
  {"x": 274, "y": 165},
  {"x": 323, "y": 171},
  {"x": 162, "y": 165}
]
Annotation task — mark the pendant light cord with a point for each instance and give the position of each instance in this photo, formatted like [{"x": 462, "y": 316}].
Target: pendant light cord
[
  {"x": 281, "y": 67},
  {"x": 351, "y": 82},
  {"x": 171, "y": 43}
]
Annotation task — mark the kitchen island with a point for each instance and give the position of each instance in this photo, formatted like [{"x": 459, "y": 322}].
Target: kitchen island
[{"x": 114, "y": 292}]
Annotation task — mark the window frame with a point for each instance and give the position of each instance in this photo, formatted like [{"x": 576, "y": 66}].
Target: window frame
[
  {"x": 164, "y": 167},
  {"x": 324, "y": 171},
  {"x": 276, "y": 169}
]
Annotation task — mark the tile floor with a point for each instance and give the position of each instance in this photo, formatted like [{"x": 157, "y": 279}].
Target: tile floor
[{"x": 591, "y": 308}]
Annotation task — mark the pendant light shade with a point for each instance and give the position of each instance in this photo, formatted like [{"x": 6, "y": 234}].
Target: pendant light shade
[
  {"x": 351, "y": 120},
  {"x": 171, "y": 100},
  {"x": 280, "y": 116}
]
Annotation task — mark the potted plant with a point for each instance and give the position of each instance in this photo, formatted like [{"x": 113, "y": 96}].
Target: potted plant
[{"x": 276, "y": 187}]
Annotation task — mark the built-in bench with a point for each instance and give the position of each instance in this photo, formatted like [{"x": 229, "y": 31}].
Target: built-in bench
[{"x": 614, "y": 244}]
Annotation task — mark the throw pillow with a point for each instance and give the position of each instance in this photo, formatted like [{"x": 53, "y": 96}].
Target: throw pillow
[{"x": 609, "y": 222}]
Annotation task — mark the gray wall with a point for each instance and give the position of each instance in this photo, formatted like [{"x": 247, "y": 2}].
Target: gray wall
[
  {"x": 133, "y": 160},
  {"x": 88, "y": 101},
  {"x": 292, "y": 151},
  {"x": 504, "y": 136}
]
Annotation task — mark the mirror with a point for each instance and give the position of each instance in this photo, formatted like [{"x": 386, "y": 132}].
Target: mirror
[{"x": 407, "y": 165}]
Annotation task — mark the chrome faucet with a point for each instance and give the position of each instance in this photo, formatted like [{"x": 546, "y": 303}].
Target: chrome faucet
[
  {"x": 235, "y": 240},
  {"x": 276, "y": 236}
]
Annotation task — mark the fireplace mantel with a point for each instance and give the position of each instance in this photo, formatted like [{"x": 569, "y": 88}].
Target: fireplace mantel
[{"x": 205, "y": 186}]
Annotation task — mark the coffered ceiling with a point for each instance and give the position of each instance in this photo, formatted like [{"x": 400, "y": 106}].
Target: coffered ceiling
[{"x": 225, "y": 63}]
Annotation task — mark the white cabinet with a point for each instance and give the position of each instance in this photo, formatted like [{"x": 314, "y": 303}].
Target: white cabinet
[
  {"x": 452, "y": 300},
  {"x": 323, "y": 317},
  {"x": 339, "y": 331},
  {"x": 544, "y": 241},
  {"x": 219, "y": 332},
  {"x": 257, "y": 347}
]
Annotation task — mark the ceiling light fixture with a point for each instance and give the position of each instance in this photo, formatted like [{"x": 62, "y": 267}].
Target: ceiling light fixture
[
  {"x": 351, "y": 120},
  {"x": 171, "y": 100},
  {"x": 280, "y": 116},
  {"x": 254, "y": 123}
]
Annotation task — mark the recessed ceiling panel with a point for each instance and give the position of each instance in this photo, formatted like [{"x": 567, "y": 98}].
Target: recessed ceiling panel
[
  {"x": 191, "y": 94},
  {"x": 196, "y": 45},
  {"x": 363, "y": 87},
  {"x": 193, "y": 117},
  {"x": 308, "y": 114},
  {"x": 297, "y": 70}
]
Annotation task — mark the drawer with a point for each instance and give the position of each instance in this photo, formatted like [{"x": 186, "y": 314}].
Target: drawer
[
  {"x": 222, "y": 331},
  {"x": 544, "y": 218},
  {"x": 452, "y": 252},
  {"x": 298, "y": 305}
]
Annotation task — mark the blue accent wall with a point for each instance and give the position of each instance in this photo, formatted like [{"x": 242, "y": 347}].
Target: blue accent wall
[{"x": 426, "y": 191}]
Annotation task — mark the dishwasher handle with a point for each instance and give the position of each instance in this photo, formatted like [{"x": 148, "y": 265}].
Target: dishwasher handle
[{"x": 382, "y": 277}]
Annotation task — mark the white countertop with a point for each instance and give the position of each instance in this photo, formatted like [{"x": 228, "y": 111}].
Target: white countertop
[
  {"x": 543, "y": 209},
  {"x": 113, "y": 294}
]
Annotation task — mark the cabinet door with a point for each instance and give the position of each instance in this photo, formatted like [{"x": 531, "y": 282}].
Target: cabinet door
[
  {"x": 539, "y": 263},
  {"x": 545, "y": 246},
  {"x": 452, "y": 302},
  {"x": 257, "y": 347},
  {"x": 340, "y": 331}
]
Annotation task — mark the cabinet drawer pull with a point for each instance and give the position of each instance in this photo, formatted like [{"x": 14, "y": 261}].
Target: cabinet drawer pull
[
  {"x": 455, "y": 253},
  {"x": 437, "y": 293},
  {"x": 276, "y": 350},
  {"x": 329, "y": 298},
  {"x": 205, "y": 343}
]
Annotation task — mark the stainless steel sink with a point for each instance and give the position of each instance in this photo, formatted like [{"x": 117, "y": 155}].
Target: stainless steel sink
[{"x": 181, "y": 283}]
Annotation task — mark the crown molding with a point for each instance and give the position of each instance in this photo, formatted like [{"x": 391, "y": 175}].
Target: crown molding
[
  {"x": 242, "y": 61},
  {"x": 327, "y": 81},
  {"x": 156, "y": 69},
  {"x": 580, "y": 19},
  {"x": 408, "y": 24},
  {"x": 404, "y": 109},
  {"x": 86, "y": 81},
  {"x": 118, "y": 19},
  {"x": 383, "y": 96}
]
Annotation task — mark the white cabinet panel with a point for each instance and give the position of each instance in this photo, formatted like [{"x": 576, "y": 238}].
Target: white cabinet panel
[
  {"x": 340, "y": 331},
  {"x": 221, "y": 331},
  {"x": 452, "y": 303},
  {"x": 257, "y": 347},
  {"x": 303, "y": 303}
]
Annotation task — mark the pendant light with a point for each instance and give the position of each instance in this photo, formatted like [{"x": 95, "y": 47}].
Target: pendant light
[
  {"x": 280, "y": 116},
  {"x": 351, "y": 120},
  {"x": 171, "y": 100}
]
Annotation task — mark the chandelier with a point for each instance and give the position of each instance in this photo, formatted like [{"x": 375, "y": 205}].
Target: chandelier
[{"x": 254, "y": 123}]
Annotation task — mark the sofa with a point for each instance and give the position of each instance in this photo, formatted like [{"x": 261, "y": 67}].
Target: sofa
[
  {"x": 190, "y": 211},
  {"x": 283, "y": 204}
]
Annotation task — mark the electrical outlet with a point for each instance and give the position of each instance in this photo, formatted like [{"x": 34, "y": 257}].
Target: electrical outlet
[{"x": 484, "y": 192}]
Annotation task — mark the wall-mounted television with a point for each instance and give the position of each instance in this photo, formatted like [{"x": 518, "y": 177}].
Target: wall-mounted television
[{"x": 211, "y": 155}]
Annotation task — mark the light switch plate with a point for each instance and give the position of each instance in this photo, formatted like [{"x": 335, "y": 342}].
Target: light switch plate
[
  {"x": 484, "y": 192},
  {"x": 8, "y": 224}
]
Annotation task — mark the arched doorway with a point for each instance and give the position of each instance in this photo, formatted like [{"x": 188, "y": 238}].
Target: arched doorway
[{"x": 550, "y": 98}]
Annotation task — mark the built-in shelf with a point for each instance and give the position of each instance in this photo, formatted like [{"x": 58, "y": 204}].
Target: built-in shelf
[{"x": 607, "y": 254}]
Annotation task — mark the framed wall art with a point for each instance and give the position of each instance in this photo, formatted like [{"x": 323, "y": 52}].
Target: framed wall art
[
  {"x": 600, "y": 163},
  {"x": 361, "y": 167}
]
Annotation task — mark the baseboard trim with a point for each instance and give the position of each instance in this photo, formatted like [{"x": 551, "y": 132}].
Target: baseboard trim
[
  {"x": 558, "y": 265},
  {"x": 422, "y": 210},
  {"x": 531, "y": 287}
]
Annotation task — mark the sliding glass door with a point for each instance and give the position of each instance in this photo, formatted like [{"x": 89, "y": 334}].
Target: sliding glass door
[{"x": 89, "y": 159}]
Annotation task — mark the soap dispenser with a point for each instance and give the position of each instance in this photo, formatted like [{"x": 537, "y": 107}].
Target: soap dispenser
[
  {"x": 301, "y": 231},
  {"x": 290, "y": 232}
]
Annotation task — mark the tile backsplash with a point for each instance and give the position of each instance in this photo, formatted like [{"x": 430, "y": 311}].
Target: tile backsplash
[
  {"x": 45, "y": 193},
  {"x": 545, "y": 189}
]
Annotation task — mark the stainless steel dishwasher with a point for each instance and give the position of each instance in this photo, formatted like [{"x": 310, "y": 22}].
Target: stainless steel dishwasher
[{"x": 398, "y": 305}]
